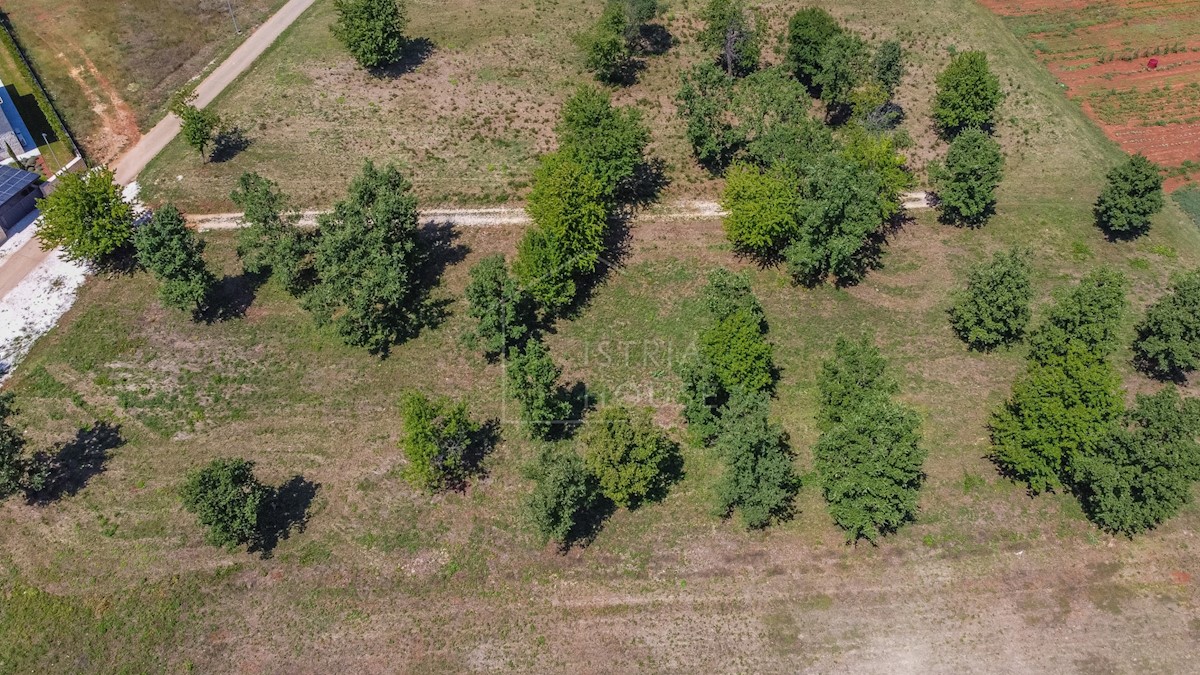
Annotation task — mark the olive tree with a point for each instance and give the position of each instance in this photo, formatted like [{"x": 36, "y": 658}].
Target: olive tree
[{"x": 227, "y": 499}]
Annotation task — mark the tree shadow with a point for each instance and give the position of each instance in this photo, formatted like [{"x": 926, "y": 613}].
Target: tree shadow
[
  {"x": 286, "y": 512},
  {"x": 648, "y": 182},
  {"x": 232, "y": 296},
  {"x": 653, "y": 40},
  {"x": 671, "y": 471},
  {"x": 480, "y": 445},
  {"x": 416, "y": 51},
  {"x": 444, "y": 251},
  {"x": 69, "y": 467},
  {"x": 589, "y": 522},
  {"x": 617, "y": 246},
  {"x": 229, "y": 143},
  {"x": 885, "y": 118}
]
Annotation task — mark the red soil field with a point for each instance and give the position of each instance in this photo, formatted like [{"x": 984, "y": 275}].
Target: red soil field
[{"x": 1101, "y": 47}]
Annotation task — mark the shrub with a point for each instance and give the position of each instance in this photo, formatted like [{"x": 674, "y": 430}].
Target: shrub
[
  {"x": 199, "y": 127},
  {"x": 227, "y": 499},
  {"x": 563, "y": 495},
  {"x": 967, "y": 94},
  {"x": 966, "y": 184},
  {"x": 1131, "y": 197},
  {"x": 1141, "y": 475},
  {"x": 1168, "y": 339},
  {"x": 994, "y": 309},
  {"x": 630, "y": 457},
  {"x": 87, "y": 216},
  {"x": 856, "y": 372},
  {"x": 760, "y": 480},
  {"x": 887, "y": 66},
  {"x": 870, "y": 467},
  {"x": 606, "y": 141},
  {"x": 809, "y": 30},
  {"x": 371, "y": 30},
  {"x": 727, "y": 292},
  {"x": 533, "y": 381},
  {"x": 705, "y": 96},
  {"x": 437, "y": 440},
  {"x": 763, "y": 208},
  {"x": 175, "y": 256},
  {"x": 504, "y": 312},
  {"x": 731, "y": 33},
  {"x": 270, "y": 242},
  {"x": 369, "y": 262},
  {"x": 841, "y": 217}
]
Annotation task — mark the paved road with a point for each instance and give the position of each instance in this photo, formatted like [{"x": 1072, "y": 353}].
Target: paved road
[
  {"x": 25, "y": 259},
  {"x": 132, "y": 162}
]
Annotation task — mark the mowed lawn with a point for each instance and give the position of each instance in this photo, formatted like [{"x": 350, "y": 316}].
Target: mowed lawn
[
  {"x": 115, "y": 575},
  {"x": 111, "y": 65}
]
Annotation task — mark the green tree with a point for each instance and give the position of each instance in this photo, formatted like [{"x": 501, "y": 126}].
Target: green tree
[
  {"x": 87, "y": 216},
  {"x": 369, "y": 259},
  {"x": 630, "y": 457},
  {"x": 763, "y": 207},
  {"x": 1168, "y": 338},
  {"x": 728, "y": 292},
  {"x": 505, "y": 313},
  {"x": 567, "y": 206},
  {"x": 966, "y": 184},
  {"x": 870, "y": 467},
  {"x": 175, "y": 256},
  {"x": 887, "y": 66},
  {"x": 993, "y": 310},
  {"x": 772, "y": 113},
  {"x": 840, "y": 217},
  {"x": 731, "y": 33},
  {"x": 809, "y": 30},
  {"x": 12, "y": 447},
  {"x": 200, "y": 127},
  {"x": 533, "y": 381},
  {"x": 563, "y": 496},
  {"x": 437, "y": 440},
  {"x": 270, "y": 240},
  {"x": 1066, "y": 403},
  {"x": 739, "y": 353},
  {"x": 967, "y": 94},
  {"x": 855, "y": 373},
  {"x": 371, "y": 30},
  {"x": 876, "y": 154},
  {"x": 844, "y": 63},
  {"x": 608, "y": 142},
  {"x": 605, "y": 47},
  {"x": 704, "y": 99},
  {"x": 1141, "y": 475},
  {"x": 228, "y": 500},
  {"x": 760, "y": 480},
  {"x": 1131, "y": 197}
]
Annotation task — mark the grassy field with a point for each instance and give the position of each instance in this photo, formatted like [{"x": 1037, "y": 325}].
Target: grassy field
[
  {"x": 111, "y": 65},
  {"x": 115, "y": 576}
]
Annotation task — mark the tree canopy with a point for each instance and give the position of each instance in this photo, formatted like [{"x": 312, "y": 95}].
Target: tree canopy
[
  {"x": 269, "y": 240},
  {"x": 175, "y": 256},
  {"x": 437, "y": 440},
  {"x": 760, "y": 480},
  {"x": 533, "y": 381},
  {"x": 228, "y": 500},
  {"x": 966, "y": 183},
  {"x": 87, "y": 216},
  {"x": 731, "y": 33},
  {"x": 563, "y": 495},
  {"x": 1168, "y": 338},
  {"x": 505, "y": 313},
  {"x": 1132, "y": 195},
  {"x": 993, "y": 310},
  {"x": 371, "y": 30},
  {"x": 631, "y": 458},
  {"x": 607, "y": 141},
  {"x": 809, "y": 30},
  {"x": 967, "y": 94}
]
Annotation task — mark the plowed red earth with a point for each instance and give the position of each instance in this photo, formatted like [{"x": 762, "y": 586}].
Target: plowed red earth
[{"x": 1082, "y": 43}]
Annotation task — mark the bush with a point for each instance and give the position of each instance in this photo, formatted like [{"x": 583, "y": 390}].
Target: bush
[
  {"x": 760, "y": 480},
  {"x": 887, "y": 66},
  {"x": 371, "y": 30},
  {"x": 504, "y": 312},
  {"x": 87, "y": 216},
  {"x": 438, "y": 438},
  {"x": 856, "y": 372},
  {"x": 809, "y": 30},
  {"x": 269, "y": 240},
  {"x": 763, "y": 208},
  {"x": 705, "y": 96},
  {"x": 533, "y": 381},
  {"x": 1132, "y": 196},
  {"x": 841, "y": 218},
  {"x": 731, "y": 34},
  {"x": 1168, "y": 339},
  {"x": 227, "y": 499},
  {"x": 369, "y": 262},
  {"x": 563, "y": 496},
  {"x": 630, "y": 457},
  {"x": 870, "y": 467},
  {"x": 727, "y": 292},
  {"x": 1141, "y": 475},
  {"x": 175, "y": 256},
  {"x": 967, "y": 94},
  {"x": 993, "y": 311},
  {"x": 567, "y": 205},
  {"x": 608, "y": 142},
  {"x": 966, "y": 184},
  {"x": 12, "y": 447}
]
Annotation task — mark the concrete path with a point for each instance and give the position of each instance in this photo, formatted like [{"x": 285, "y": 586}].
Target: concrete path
[{"x": 132, "y": 162}]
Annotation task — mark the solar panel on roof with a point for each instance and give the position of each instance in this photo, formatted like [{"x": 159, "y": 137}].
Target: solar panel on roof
[{"x": 13, "y": 181}]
